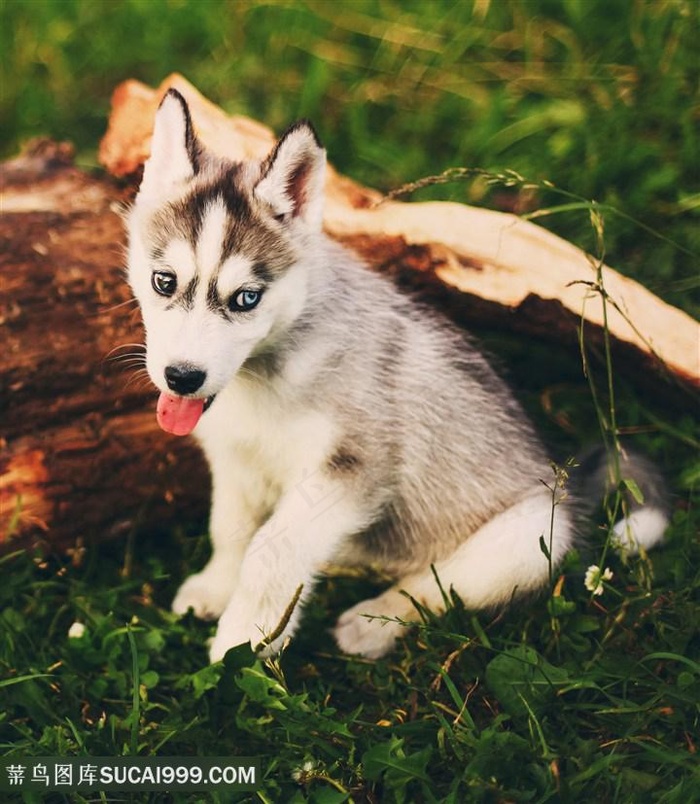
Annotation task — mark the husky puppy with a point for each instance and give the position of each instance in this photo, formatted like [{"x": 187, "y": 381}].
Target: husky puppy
[{"x": 342, "y": 421}]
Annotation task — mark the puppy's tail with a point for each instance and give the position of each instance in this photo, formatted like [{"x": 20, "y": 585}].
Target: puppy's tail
[{"x": 646, "y": 506}]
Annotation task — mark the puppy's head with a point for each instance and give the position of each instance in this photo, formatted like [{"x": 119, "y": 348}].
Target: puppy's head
[{"x": 218, "y": 256}]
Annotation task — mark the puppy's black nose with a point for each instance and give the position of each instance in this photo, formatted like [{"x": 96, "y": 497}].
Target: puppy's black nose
[{"x": 184, "y": 378}]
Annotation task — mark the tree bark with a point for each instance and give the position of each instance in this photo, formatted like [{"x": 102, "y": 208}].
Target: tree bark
[{"x": 81, "y": 456}]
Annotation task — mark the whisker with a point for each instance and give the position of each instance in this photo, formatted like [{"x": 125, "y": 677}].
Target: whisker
[
  {"x": 130, "y": 356},
  {"x": 134, "y": 363},
  {"x": 104, "y": 310},
  {"x": 140, "y": 346},
  {"x": 139, "y": 379}
]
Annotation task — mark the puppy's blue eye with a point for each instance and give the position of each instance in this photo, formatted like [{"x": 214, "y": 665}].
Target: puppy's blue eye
[
  {"x": 244, "y": 300},
  {"x": 164, "y": 283}
]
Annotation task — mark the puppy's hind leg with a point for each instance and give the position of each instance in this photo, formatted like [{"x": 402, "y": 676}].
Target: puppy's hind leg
[{"x": 501, "y": 559}]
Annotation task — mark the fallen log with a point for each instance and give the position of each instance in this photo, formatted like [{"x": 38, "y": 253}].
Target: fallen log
[{"x": 81, "y": 456}]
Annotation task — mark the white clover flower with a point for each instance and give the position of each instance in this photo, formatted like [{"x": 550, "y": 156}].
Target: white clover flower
[
  {"x": 594, "y": 579},
  {"x": 76, "y": 630},
  {"x": 303, "y": 773}
]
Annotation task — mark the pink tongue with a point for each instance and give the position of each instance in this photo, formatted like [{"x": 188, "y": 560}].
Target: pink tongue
[{"x": 177, "y": 415}]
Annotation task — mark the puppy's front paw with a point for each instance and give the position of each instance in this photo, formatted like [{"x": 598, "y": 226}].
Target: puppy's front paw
[
  {"x": 228, "y": 636},
  {"x": 249, "y": 619},
  {"x": 355, "y": 632},
  {"x": 223, "y": 642},
  {"x": 207, "y": 593}
]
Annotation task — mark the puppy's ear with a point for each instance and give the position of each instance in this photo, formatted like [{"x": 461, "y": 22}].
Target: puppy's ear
[
  {"x": 175, "y": 151},
  {"x": 293, "y": 176}
]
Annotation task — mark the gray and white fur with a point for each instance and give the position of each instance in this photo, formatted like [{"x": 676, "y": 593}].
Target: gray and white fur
[{"x": 342, "y": 421}]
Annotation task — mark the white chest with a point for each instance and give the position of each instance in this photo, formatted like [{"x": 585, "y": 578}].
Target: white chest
[{"x": 274, "y": 437}]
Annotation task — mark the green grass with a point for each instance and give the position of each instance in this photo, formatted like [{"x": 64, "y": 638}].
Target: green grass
[
  {"x": 570, "y": 698},
  {"x": 567, "y": 699}
]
